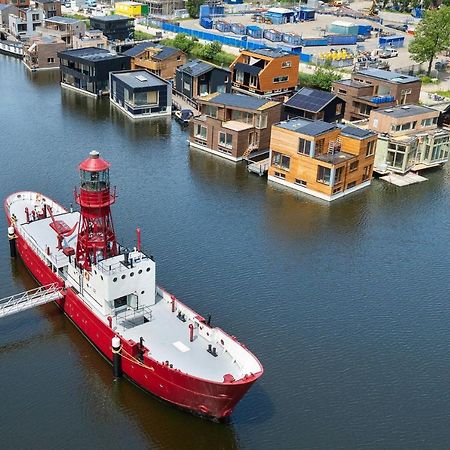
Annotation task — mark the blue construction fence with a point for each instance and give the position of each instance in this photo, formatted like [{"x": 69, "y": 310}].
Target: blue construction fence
[{"x": 242, "y": 42}]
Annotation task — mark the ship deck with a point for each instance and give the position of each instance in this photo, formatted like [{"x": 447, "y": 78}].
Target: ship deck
[{"x": 167, "y": 339}]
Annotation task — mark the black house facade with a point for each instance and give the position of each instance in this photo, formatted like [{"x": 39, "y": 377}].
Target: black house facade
[
  {"x": 140, "y": 94},
  {"x": 198, "y": 78},
  {"x": 115, "y": 27},
  {"x": 316, "y": 105},
  {"x": 87, "y": 69}
]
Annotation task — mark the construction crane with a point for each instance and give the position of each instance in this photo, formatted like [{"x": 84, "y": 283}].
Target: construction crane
[{"x": 374, "y": 9}]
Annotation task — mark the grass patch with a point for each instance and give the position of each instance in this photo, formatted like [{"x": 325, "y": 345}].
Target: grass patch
[
  {"x": 80, "y": 17},
  {"x": 143, "y": 36},
  {"x": 443, "y": 93},
  {"x": 428, "y": 80}
]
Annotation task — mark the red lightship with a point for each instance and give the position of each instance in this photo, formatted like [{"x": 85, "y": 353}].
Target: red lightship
[{"x": 110, "y": 294}]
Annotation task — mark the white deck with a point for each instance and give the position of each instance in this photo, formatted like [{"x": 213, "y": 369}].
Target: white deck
[
  {"x": 166, "y": 336},
  {"x": 403, "y": 180}
]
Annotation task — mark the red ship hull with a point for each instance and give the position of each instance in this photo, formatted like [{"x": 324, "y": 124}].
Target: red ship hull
[{"x": 206, "y": 398}]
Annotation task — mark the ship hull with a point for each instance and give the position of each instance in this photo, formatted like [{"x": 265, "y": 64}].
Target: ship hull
[{"x": 209, "y": 399}]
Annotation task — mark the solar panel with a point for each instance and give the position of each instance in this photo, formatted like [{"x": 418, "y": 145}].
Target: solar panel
[{"x": 141, "y": 78}]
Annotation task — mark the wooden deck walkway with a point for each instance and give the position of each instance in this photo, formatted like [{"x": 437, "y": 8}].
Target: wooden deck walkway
[
  {"x": 259, "y": 167},
  {"x": 180, "y": 103}
]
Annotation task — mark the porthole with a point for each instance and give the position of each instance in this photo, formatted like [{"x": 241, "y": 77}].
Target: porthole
[
  {"x": 142, "y": 292},
  {"x": 101, "y": 276},
  {"x": 114, "y": 279},
  {"x": 148, "y": 269},
  {"x": 139, "y": 271},
  {"x": 123, "y": 277},
  {"x": 132, "y": 274}
]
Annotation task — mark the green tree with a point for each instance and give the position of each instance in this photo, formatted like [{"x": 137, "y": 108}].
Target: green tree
[
  {"x": 183, "y": 42},
  {"x": 210, "y": 51},
  {"x": 193, "y": 7},
  {"x": 432, "y": 36},
  {"x": 323, "y": 78}
]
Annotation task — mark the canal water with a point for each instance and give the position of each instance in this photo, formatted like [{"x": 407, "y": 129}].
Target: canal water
[{"x": 346, "y": 304}]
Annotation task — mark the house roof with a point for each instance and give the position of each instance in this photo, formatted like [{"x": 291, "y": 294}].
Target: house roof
[
  {"x": 308, "y": 127},
  {"x": 241, "y": 101},
  {"x": 312, "y": 100},
  {"x": 164, "y": 53},
  {"x": 91, "y": 53},
  {"x": 355, "y": 132},
  {"x": 270, "y": 52},
  {"x": 247, "y": 68},
  {"x": 197, "y": 68},
  {"x": 139, "y": 79},
  {"x": 60, "y": 19},
  {"x": 280, "y": 11},
  {"x": 405, "y": 111},
  {"x": 113, "y": 18},
  {"x": 387, "y": 75}
]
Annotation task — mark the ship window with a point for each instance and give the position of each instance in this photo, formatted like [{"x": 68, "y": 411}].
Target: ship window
[
  {"x": 132, "y": 274},
  {"x": 114, "y": 279},
  {"x": 101, "y": 276},
  {"x": 139, "y": 271},
  {"x": 142, "y": 292},
  {"x": 148, "y": 269},
  {"x": 123, "y": 277}
]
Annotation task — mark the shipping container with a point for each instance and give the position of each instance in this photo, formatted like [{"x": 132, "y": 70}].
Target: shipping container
[
  {"x": 306, "y": 14},
  {"x": 254, "y": 31},
  {"x": 224, "y": 27},
  {"x": 391, "y": 41},
  {"x": 342, "y": 27},
  {"x": 336, "y": 39},
  {"x": 296, "y": 49},
  {"x": 292, "y": 38},
  {"x": 273, "y": 35},
  {"x": 211, "y": 11},
  {"x": 206, "y": 22},
  {"x": 238, "y": 28},
  {"x": 313, "y": 42},
  {"x": 364, "y": 30},
  {"x": 129, "y": 9}
]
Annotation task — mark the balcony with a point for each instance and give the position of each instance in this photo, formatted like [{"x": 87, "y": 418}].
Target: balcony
[{"x": 377, "y": 99}]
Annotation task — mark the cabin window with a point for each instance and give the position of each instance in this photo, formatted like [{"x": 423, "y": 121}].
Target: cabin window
[
  {"x": 429, "y": 121},
  {"x": 352, "y": 184},
  {"x": 139, "y": 271},
  {"x": 282, "y": 79},
  {"x": 148, "y": 269},
  {"x": 239, "y": 76},
  {"x": 304, "y": 147},
  {"x": 280, "y": 175},
  {"x": 300, "y": 182},
  {"x": 353, "y": 166},
  {"x": 286, "y": 64},
  {"x": 209, "y": 110},
  {"x": 341, "y": 91},
  {"x": 261, "y": 121},
  {"x": 370, "y": 148},
  {"x": 132, "y": 274},
  {"x": 366, "y": 172},
  {"x": 200, "y": 131},
  {"x": 226, "y": 139},
  {"x": 123, "y": 277},
  {"x": 119, "y": 302},
  {"x": 50, "y": 60},
  {"x": 339, "y": 175},
  {"x": 280, "y": 160},
  {"x": 114, "y": 279},
  {"x": 323, "y": 174},
  {"x": 338, "y": 108}
]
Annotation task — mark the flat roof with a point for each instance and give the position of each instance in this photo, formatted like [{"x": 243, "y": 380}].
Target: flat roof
[
  {"x": 240, "y": 101},
  {"x": 306, "y": 126},
  {"x": 198, "y": 67},
  {"x": 405, "y": 111},
  {"x": 387, "y": 75},
  {"x": 164, "y": 51},
  {"x": 352, "y": 83},
  {"x": 60, "y": 19},
  {"x": 270, "y": 52},
  {"x": 355, "y": 132},
  {"x": 91, "y": 53},
  {"x": 139, "y": 79},
  {"x": 334, "y": 158},
  {"x": 113, "y": 18}
]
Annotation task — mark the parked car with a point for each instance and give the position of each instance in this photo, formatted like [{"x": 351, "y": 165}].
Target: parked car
[{"x": 388, "y": 53}]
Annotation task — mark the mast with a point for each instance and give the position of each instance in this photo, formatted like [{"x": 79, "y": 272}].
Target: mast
[{"x": 96, "y": 236}]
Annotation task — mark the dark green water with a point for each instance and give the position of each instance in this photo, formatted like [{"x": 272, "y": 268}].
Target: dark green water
[{"x": 346, "y": 305}]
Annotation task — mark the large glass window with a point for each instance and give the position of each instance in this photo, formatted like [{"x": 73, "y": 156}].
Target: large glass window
[
  {"x": 239, "y": 76},
  {"x": 200, "y": 131},
  {"x": 242, "y": 116},
  {"x": 304, "y": 147},
  {"x": 226, "y": 139},
  {"x": 261, "y": 121},
  {"x": 280, "y": 160},
  {"x": 146, "y": 98},
  {"x": 371, "y": 148},
  {"x": 210, "y": 110},
  {"x": 323, "y": 175},
  {"x": 94, "y": 181}
]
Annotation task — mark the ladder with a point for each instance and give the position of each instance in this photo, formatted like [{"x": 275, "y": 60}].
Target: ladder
[{"x": 29, "y": 299}]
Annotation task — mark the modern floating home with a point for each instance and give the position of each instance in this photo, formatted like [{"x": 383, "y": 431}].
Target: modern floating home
[
  {"x": 115, "y": 27},
  {"x": 64, "y": 28},
  {"x": 40, "y": 53},
  {"x": 325, "y": 160},
  {"x": 158, "y": 59},
  {"x": 315, "y": 104},
  {"x": 370, "y": 89},
  {"x": 409, "y": 139},
  {"x": 140, "y": 94},
  {"x": 234, "y": 126},
  {"x": 87, "y": 69},
  {"x": 265, "y": 72},
  {"x": 196, "y": 79}
]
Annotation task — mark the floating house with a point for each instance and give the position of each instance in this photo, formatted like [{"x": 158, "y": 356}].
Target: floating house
[
  {"x": 115, "y": 27},
  {"x": 234, "y": 126},
  {"x": 196, "y": 79},
  {"x": 24, "y": 24},
  {"x": 265, "y": 72},
  {"x": 315, "y": 104},
  {"x": 91, "y": 38},
  {"x": 41, "y": 53},
  {"x": 140, "y": 94},
  {"x": 409, "y": 139},
  {"x": 64, "y": 28},
  {"x": 158, "y": 59},
  {"x": 87, "y": 70},
  {"x": 51, "y": 8},
  {"x": 325, "y": 160},
  {"x": 375, "y": 88}
]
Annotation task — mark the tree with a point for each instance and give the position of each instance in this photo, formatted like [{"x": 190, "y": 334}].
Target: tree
[
  {"x": 210, "y": 51},
  {"x": 193, "y": 7},
  {"x": 183, "y": 42},
  {"x": 431, "y": 37},
  {"x": 323, "y": 78}
]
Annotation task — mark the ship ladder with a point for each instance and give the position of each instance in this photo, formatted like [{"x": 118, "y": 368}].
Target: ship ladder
[{"x": 29, "y": 299}]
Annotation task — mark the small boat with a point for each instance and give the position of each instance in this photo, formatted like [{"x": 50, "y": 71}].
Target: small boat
[{"x": 184, "y": 115}]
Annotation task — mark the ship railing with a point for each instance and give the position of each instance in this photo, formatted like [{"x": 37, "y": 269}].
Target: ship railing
[
  {"x": 119, "y": 266},
  {"x": 29, "y": 299},
  {"x": 131, "y": 317}
]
